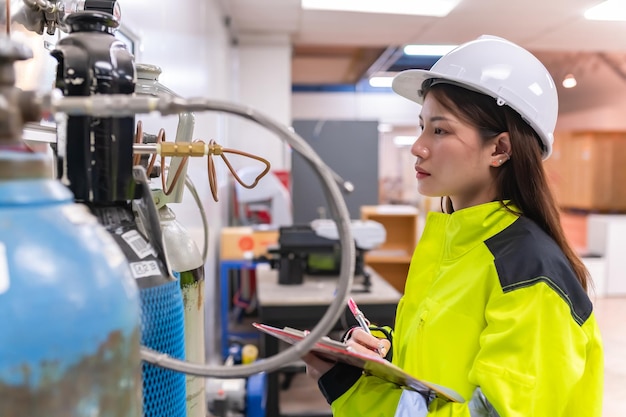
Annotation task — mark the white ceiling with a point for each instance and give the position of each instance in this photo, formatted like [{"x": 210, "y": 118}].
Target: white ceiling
[
  {"x": 327, "y": 44},
  {"x": 534, "y": 24}
]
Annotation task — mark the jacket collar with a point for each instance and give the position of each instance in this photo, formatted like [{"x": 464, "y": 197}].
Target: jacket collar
[{"x": 463, "y": 230}]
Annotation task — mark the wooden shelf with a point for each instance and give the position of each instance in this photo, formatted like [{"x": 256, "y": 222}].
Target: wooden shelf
[
  {"x": 391, "y": 260},
  {"x": 586, "y": 171}
]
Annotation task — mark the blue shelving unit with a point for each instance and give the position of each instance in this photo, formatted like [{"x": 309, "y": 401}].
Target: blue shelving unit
[{"x": 225, "y": 268}]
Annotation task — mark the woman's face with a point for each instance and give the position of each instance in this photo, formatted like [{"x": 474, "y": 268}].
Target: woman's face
[{"x": 452, "y": 159}]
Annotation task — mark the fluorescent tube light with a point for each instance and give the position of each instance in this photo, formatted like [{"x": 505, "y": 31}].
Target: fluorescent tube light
[
  {"x": 381, "y": 82},
  {"x": 607, "y": 10},
  {"x": 437, "y": 8},
  {"x": 404, "y": 140},
  {"x": 428, "y": 50}
]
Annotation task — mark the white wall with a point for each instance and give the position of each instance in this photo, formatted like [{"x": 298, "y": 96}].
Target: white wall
[
  {"x": 384, "y": 107},
  {"x": 191, "y": 44},
  {"x": 263, "y": 82}
]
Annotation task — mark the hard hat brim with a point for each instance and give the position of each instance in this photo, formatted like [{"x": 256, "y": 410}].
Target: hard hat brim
[{"x": 408, "y": 84}]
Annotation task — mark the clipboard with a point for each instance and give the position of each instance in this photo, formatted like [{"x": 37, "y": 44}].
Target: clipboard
[{"x": 372, "y": 364}]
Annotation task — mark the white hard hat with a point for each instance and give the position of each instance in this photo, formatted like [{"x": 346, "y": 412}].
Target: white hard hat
[{"x": 500, "y": 69}]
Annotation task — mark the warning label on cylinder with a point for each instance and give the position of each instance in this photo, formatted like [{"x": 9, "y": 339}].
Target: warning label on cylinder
[{"x": 4, "y": 270}]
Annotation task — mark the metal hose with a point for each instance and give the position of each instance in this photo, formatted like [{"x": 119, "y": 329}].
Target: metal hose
[{"x": 124, "y": 105}]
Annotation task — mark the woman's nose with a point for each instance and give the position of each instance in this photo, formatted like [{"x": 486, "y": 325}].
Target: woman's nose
[{"x": 418, "y": 149}]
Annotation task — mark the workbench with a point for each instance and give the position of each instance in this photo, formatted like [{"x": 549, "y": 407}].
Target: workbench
[{"x": 302, "y": 306}]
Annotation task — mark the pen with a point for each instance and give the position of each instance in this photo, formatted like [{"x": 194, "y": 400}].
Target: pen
[
  {"x": 358, "y": 315},
  {"x": 364, "y": 323}
]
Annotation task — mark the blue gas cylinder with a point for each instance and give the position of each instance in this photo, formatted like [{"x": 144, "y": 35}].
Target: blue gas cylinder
[
  {"x": 162, "y": 311},
  {"x": 70, "y": 309}
]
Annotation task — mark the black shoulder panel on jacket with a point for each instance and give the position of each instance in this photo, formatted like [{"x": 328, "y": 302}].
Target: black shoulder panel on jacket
[{"x": 525, "y": 255}]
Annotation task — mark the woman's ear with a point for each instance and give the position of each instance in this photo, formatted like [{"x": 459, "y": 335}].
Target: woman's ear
[{"x": 502, "y": 149}]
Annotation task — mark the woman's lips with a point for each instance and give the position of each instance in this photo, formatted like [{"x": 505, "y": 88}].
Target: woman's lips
[{"x": 421, "y": 173}]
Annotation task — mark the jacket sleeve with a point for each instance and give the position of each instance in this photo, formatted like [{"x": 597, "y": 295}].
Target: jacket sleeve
[
  {"x": 533, "y": 359},
  {"x": 536, "y": 353}
]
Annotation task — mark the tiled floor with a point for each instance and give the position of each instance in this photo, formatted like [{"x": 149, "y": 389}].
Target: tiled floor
[{"x": 304, "y": 397}]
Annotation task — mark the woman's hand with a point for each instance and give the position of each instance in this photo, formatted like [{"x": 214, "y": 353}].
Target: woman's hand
[
  {"x": 361, "y": 341},
  {"x": 316, "y": 366}
]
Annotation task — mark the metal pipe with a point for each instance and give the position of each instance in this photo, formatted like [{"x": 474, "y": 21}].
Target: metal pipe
[{"x": 201, "y": 149}]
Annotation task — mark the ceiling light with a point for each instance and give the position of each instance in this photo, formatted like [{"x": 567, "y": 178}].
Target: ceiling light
[
  {"x": 569, "y": 81},
  {"x": 428, "y": 50},
  {"x": 381, "y": 81},
  {"x": 607, "y": 10},
  {"x": 403, "y": 140},
  {"x": 385, "y": 127},
  {"x": 437, "y": 8}
]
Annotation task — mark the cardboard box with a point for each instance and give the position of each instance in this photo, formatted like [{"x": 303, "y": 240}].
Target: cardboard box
[{"x": 238, "y": 243}]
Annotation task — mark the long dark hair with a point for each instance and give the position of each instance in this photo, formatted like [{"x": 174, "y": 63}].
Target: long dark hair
[{"x": 522, "y": 180}]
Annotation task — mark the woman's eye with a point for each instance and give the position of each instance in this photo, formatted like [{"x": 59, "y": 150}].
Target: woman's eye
[{"x": 434, "y": 130}]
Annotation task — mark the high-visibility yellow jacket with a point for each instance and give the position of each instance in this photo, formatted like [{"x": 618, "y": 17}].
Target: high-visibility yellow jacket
[{"x": 491, "y": 306}]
